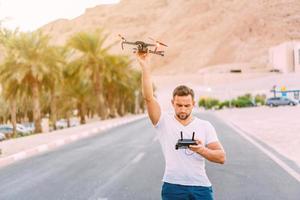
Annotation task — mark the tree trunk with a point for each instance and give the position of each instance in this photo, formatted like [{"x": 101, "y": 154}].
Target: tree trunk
[
  {"x": 111, "y": 104},
  {"x": 119, "y": 106},
  {"x": 115, "y": 110},
  {"x": 68, "y": 122},
  {"x": 36, "y": 107},
  {"x": 82, "y": 111},
  {"x": 26, "y": 118},
  {"x": 68, "y": 115},
  {"x": 98, "y": 87},
  {"x": 122, "y": 108},
  {"x": 13, "y": 112},
  {"x": 136, "y": 102},
  {"x": 53, "y": 116}
]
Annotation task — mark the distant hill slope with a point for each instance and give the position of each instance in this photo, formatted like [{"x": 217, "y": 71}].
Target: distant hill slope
[{"x": 199, "y": 33}]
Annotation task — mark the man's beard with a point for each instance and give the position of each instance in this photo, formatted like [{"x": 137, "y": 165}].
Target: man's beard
[{"x": 183, "y": 116}]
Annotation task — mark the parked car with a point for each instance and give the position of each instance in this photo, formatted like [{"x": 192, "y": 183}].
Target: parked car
[
  {"x": 280, "y": 101},
  {"x": 8, "y": 129},
  {"x": 29, "y": 126},
  {"x": 62, "y": 123},
  {"x": 74, "y": 122},
  {"x": 24, "y": 128},
  {"x": 2, "y": 136}
]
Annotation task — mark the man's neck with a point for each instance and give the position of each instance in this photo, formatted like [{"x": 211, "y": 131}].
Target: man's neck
[{"x": 186, "y": 121}]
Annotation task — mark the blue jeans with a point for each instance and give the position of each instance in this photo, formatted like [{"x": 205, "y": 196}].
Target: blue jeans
[{"x": 182, "y": 192}]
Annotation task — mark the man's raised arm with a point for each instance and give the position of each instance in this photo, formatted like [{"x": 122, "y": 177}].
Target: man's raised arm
[{"x": 153, "y": 107}]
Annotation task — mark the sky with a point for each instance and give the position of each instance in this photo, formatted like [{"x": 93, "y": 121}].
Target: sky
[{"x": 28, "y": 15}]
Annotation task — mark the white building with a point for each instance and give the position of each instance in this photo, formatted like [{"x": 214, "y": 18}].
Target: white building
[{"x": 285, "y": 57}]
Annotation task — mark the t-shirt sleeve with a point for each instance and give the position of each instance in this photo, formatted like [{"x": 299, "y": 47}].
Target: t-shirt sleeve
[{"x": 210, "y": 134}]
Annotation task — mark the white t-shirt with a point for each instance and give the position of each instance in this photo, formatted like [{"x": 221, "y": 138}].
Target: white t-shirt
[{"x": 183, "y": 166}]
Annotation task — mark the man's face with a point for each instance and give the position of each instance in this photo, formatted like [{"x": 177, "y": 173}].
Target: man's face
[{"x": 183, "y": 106}]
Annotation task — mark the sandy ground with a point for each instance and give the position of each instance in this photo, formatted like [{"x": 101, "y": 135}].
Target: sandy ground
[{"x": 278, "y": 127}]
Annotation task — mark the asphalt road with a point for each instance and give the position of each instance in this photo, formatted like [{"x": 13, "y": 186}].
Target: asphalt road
[{"x": 126, "y": 163}]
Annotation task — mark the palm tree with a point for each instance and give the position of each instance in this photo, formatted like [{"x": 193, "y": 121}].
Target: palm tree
[
  {"x": 116, "y": 75},
  {"x": 92, "y": 54},
  {"x": 123, "y": 85},
  {"x": 29, "y": 52},
  {"x": 10, "y": 86},
  {"x": 10, "y": 94},
  {"x": 55, "y": 60},
  {"x": 77, "y": 87},
  {"x": 4, "y": 110}
]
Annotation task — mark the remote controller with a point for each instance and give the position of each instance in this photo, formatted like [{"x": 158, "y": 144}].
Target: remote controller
[{"x": 184, "y": 143}]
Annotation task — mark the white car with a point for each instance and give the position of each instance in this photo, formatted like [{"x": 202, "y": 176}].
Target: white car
[
  {"x": 29, "y": 126},
  {"x": 8, "y": 128},
  {"x": 62, "y": 123},
  {"x": 2, "y": 136}
]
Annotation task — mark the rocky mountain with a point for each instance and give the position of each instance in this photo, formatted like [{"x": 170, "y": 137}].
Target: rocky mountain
[{"x": 199, "y": 33}]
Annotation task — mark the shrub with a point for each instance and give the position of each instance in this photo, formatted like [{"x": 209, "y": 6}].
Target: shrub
[
  {"x": 224, "y": 104},
  {"x": 260, "y": 99},
  {"x": 208, "y": 103}
]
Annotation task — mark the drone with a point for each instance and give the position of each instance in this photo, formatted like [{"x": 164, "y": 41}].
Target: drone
[{"x": 142, "y": 47}]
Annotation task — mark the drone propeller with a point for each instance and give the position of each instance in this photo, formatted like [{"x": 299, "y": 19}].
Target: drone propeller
[
  {"x": 158, "y": 42},
  {"x": 161, "y": 53},
  {"x": 122, "y": 37},
  {"x": 142, "y": 47}
]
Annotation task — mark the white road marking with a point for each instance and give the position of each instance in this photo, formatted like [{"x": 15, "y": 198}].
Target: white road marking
[
  {"x": 284, "y": 166},
  {"x": 59, "y": 142},
  {"x": 155, "y": 139},
  {"x": 74, "y": 137},
  {"x": 43, "y": 147},
  {"x": 19, "y": 156},
  {"x": 94, "y": 130},
  {"x": 85, "y": 134},
  {"x": 138, "y": 157}
]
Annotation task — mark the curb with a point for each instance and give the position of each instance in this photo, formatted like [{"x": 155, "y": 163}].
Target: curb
[{"x": 57, "y": 143}]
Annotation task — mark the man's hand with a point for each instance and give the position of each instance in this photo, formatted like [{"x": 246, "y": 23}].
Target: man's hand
[
  {"x": 213, "y": 152},
  {"x": 143, "y": 59},
  {"x": 199, "y": 148}
]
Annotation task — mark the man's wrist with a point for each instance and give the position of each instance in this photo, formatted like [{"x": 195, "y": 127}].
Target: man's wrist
[
  {"x": 203, "y": 151},
  {"x": 145, "y": 68}
]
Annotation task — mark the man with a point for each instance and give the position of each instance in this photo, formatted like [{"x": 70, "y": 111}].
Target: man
[{"x": 185, "y": 176}]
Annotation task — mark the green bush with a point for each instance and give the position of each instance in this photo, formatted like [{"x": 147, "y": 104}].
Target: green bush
[
  {"x": 245, "y": 97},
  {"x": 224, "y": 104},
  {"x": 241, "y": 101},
  {"x": 201, "y": 102},
  {"x": 260, "y": 99},
  {"x": 208, "y": 103}
]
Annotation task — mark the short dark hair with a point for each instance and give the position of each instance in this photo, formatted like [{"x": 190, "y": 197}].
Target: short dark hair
[{"x": 183, "y": 90}]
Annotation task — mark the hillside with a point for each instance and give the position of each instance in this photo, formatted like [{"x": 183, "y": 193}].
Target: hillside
[{"x": 199, "y": 33}]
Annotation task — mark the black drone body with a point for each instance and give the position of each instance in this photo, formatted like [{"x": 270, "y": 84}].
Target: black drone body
[{"x": 142, "y": 47}]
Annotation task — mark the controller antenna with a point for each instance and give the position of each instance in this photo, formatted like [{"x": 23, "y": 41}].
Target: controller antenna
[{"x": 181, "y": 135}]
